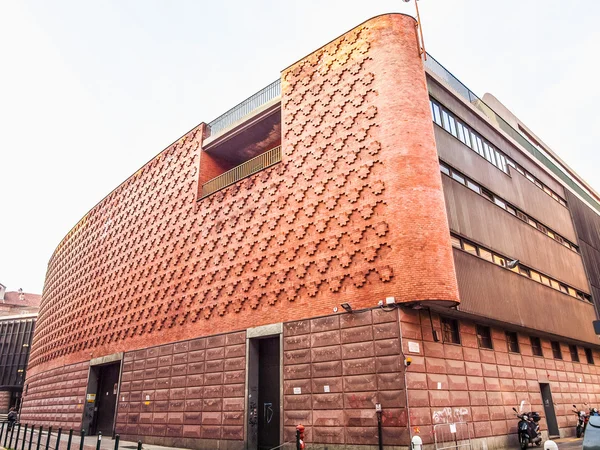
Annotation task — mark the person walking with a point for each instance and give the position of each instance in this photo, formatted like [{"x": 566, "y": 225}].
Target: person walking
[{"x": 12, "y": 417}]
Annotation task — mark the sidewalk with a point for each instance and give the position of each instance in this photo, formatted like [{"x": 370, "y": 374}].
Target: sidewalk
[{"x": 89, "y": 443}]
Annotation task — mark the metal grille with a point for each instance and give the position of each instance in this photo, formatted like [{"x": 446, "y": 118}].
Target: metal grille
[
  {"x": 236, "y": 113},
  {"x": 470, "y": 97},
  {"x": 452, "y": 435},
  {"x": 15, "y": 342},
  {"x": 250, "y": 167}
]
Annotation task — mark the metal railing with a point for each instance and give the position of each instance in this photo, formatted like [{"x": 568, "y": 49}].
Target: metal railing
[
  {"x": 253, "y": 102},
  {"x": 250, "y": 167},
  {"x": 554, "y": 166}
]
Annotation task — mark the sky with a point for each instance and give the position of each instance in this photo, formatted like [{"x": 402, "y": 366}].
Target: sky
[{"x": 90, "y": 91}]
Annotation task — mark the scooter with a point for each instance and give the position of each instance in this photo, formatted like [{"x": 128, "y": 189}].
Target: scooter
[
  {"x": 582, "y": 420},
  {"x": 528, "y": 429}
]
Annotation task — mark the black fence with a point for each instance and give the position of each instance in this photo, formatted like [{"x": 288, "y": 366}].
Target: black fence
[{"x": 19, "y": 436}]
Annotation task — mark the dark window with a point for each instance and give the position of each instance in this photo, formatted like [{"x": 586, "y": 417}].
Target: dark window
[
  {"x": 589, "y": 355},
  {"x": 574, "y": 353},
  {"x": 512, "y": 341},
  {"x": 450, "y": 332},
  {"x": 484, "y": 337},
  {"x": 536, "y": 346},
  {"x": 556, "y": 352}
]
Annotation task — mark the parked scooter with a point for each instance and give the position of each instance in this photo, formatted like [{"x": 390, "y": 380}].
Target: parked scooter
[
  {"x": 528, "y": 429},
  {"x": 582, "y": 421}
]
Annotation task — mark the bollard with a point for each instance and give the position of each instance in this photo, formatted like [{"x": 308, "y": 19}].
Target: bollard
[
  {"x": 416, "y": 443},
  {"x": 139, "y": 445},
  {"x": 39, "y": 437},
  {"x": 48, "y": 439},
  {"x": 70, "y": 438},
  {"x": 12, "y": 430},
  {"x": 82, "y": 438},
  {"x": 299, "y": 437},
  {"x": 58, "y": 438},
  {"x": 24, "y": 438},
  {"x": 99, "y": 441},
  {"x": 31, "y": 437},
  {"x": 550, "y": 445},
  {"x": 117, "y": 437}
]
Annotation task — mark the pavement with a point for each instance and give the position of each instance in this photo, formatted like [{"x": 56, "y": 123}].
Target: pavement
[{"x": 569, "y": 443}]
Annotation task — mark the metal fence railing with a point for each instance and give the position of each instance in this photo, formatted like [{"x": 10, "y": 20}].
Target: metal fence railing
[
  {"x": 250, "y": 167},
  {"x": 253, "y": 102},
  {"x": 17, "y": 436},
  {"x": 553, "y": 165},
  {"x": 452, "y": 436}
]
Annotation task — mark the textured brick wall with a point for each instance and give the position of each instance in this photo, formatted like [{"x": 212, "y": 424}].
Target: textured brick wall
[
  {"x": 56, "y": 397},
  {"x": 448, "y": 382},
  {"x": 354, "y": 212},
  {"x": 191, "y": 389},
  {"x": 336, "y": 369},
  {"x": 4, "y": 401}
]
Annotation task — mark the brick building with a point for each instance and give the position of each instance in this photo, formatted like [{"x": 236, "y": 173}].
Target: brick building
[
  {"x": 18, "y": 314},
  {"x": 277, "y": 266}
]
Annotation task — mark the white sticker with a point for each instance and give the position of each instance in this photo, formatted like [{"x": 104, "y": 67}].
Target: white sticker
[
  {"x": 147, "y": 398},
  {"x": 123, "y": 399},
  {"x": 452, "y": 428},
  {"x": 413, "y": 347},
  {"x": 297, "y": 390},
  {"x": 439, "y": 384},
  {"x": 326, "y": 388}
]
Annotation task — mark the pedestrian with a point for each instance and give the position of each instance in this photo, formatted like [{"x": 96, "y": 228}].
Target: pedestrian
[{"x": 12, "y": 417}]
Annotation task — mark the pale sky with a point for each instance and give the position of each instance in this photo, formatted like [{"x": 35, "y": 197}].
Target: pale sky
[{"x": 90, "y": 91}]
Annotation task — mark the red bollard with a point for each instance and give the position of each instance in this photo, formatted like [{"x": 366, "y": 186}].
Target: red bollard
[{"x": 299, "y": 437}]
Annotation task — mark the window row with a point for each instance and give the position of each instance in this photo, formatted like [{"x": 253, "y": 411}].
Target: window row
[
  {"x": 517, "y": 267},
  {"x": 451, "y": 335},
  {"x": 457, "y": 176},
  {"x": 475, "y": 142}
]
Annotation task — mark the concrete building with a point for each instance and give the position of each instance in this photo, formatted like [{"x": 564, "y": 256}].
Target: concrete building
[
  {"x": 18, "y": 313},
  {"x": 281, "y": 263}
]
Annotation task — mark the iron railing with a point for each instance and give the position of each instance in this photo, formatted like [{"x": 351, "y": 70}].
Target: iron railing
[
  {"x": 236, "y": 113},
  {"x": 554, "y": 166},
  {"x": 250, "y": 167}
]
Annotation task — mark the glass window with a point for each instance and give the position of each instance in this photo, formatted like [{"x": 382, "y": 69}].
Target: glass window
[
  {"x": 470, "y": 248},
  {"x": 572, "y": 292},
  {"x": 450, "y": 333},
  {"x": 484, "y": 337},
  {"x": 542, "y": 228},
  {"x": 453, "y": 127},
  {"x": 554, "y": 196},
  {"x": 455, "y": 241},
  {"x": 564, "y": 289},
  {"x": 535, "y": 276},
  {"x": 444, "y": 169},
  {"x": 473, "y": 187},
  {"x": 511, "y": 210},
  {"x": 479, "y": 145},
  {"x": 499, "y": 202},
  {"x": 520, "y": 170},
  {"x": 531, "y": 222},
  {"x": 529, "y": 177},
  {"x": 574, "y": 353},
  {"x": 555, "y": 284},
  {"x": 458, "y": 177},
  {"x": 551, "y": 234},
  {"x": 487, "y": 194},
  {"x": 589, "y": 355},
  {"x": 562, "y": 202},
  {"x": 486, "y": 150},
  {"x": 523, "y": 270},
  {"x": 547, "y": 191},
  {"x": 512, "y": 342},
  {"x": 499, "y": 260},
  {"x": 556, "y": 351},
  {"x": 536, "y": 346},
  {"x": 467, "y": 139},
  {"x": 459, "y": 129},
  {"x": 446, "y": 120},
  {"x": 538, "y": 184},
  {"x": 545, "y": 280},
  {"x": 437, "y": 118},
  {"x": 486, "y": 255}
]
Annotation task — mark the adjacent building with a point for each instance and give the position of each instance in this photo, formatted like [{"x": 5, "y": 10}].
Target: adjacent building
[
  {"x": 284, "y": 264},
  {"x": 18, "y": 313}
]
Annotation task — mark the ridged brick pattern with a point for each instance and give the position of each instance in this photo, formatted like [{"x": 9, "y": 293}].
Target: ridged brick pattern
[
  {"x": 336, "y": 368},
  {"x": 56, "y": 398},
  {"x": 191, "y": 389},
  {"x": 449, "y": 383}
]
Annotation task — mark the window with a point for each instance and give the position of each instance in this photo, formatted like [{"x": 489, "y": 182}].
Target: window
[
  {"x": 499, "y": 202},
  {"x": 499, "y": 260},
  {"x": 556, "y": 352},
  {"x": 444, "y": 169},
  {"x": 589, "y": 355},
  {"x": 511, "y": 210},
  {"x": 484, "y": 337},
  {"x": 545, "y": 280},
  {"x": 456, "y": 242},
  {"x": 458, "y": 178},
  {"x": 436, "y": 114},
  {"x": 486, "y": 255},
  {"x": 470, "y": 248},
  {"x": 574, "y": 353},
  {"x": 450, "y": 333},
  {"x": 512, "y": 342},
  {"x": 536, "y": 346},
  {"x": 535, "y": 276},
  {"x": 473, "y": 186}
]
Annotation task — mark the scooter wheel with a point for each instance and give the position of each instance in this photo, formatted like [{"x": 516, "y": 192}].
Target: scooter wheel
[
  {"x": 538, "y": 443},
  {"x": 578, "y": 432},
  {"x": 524, "y": 444}
]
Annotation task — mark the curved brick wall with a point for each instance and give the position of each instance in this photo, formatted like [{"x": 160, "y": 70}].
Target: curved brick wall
[{"x": 353, "y": 213}]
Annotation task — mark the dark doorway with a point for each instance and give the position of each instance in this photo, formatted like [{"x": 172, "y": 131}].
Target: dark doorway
[
  {"x": 264, "y": 393},
  {"x": 106, "y": 398},
  {"x": 549, "y": 409}
]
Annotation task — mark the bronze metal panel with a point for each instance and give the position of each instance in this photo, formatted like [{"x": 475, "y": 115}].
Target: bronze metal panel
[
  {"x": 515, "y": 189},
  {"x": 510, "y": 236},
  {"x": 490, "y": 291}
]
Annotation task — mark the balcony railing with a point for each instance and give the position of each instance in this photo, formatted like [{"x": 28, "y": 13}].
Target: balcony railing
[
  {"x": 470, "y": 97},
  {"x": 250, "y": 167},
  {"x": 236, "y": 113}
]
